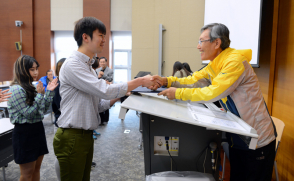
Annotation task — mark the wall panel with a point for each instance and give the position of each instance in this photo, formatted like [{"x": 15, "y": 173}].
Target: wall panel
[
  {"x": 65, "y": 13},
  {"x": 283, "y": 93},
  {"x": 11, "y": 11},
  {"x": 121, "y": 15},
  {"x": 36, "y": 18},
  {"x": 182, "y": 21},
  {"x": 265, "y": 48}
]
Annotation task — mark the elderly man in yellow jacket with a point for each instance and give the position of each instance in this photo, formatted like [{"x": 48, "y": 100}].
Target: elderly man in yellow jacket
[{"x": 230, "y": 79}]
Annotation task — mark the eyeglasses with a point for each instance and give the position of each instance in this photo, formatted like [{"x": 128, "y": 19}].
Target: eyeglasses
[{"x": 200, "y": 41}]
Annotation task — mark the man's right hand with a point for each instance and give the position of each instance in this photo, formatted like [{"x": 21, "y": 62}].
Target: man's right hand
[
  {"x": 147, "y": 82},
  {"x": 100, "y": 74},
  {"x": 161, "y": 81}
]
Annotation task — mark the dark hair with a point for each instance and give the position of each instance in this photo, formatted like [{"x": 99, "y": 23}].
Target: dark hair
[
  {"x": 95, "y": 65},
  {"x": 87, "y": 25},
  {"x": 187, "y": 67},
  {"x": 49, "y": 71},
  {"x": 58, "y": 66},
  {"x": 179, "y": 66},
  {"x": 103, "y": 58},
  {"x": 218, "y": 30},
  {"x": 23, "y": 77}
]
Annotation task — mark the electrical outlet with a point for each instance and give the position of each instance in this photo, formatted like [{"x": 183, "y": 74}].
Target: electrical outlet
[
  {"x": 174, "y": 144},
  {"x": 160, "y": 145}
]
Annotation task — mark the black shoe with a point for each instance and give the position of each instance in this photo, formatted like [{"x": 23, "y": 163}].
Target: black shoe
[{"x": 93, "y": 165}]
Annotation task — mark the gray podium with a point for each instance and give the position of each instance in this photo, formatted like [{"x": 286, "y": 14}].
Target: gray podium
[{"x": 162, "y": 118}]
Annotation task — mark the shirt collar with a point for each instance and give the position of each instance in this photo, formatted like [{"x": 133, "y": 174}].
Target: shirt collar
[{"x": 84, "y": 58}]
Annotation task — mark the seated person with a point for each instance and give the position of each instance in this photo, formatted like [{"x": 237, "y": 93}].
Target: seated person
[
  {"x": 187, "y": 67},
  {"x": 48, "y": 78},
  {"x": 179, "y": 70},
  {"x": 104, "y": 72}
]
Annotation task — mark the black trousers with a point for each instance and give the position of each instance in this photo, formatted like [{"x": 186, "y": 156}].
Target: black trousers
[
  {"x": 104, "y": 116},
  {"x": 252, "y": 165}
]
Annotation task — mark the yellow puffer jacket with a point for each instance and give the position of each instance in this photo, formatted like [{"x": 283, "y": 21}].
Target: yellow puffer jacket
[{"x": 231, "y": 79}]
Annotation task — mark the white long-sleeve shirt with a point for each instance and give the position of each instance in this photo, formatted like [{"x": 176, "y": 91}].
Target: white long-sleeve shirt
[{"x": 83, "y": 94}]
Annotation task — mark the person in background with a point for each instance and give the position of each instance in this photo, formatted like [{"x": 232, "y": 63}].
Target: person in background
[
  {"x": 187, "y": 67},
  {"x": 95, "y": 65},
  {"x": 26, "y": 108},
  {"x": 48, "y": 78},
  {"x": 57, "y": 98},
  {"x": 179, "y": 70},
  {"x": 104, "y": 72},
  {"x": 229, "y": 78},
  {"x": 83, "y": 97}
]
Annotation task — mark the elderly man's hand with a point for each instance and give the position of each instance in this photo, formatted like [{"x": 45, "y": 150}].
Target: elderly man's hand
[
  {"x": 147, "y": 82},
  {"x": 170, "y": 93},
  {"x": 4, "y": 96},
  {"x": 161, "y": 81}
]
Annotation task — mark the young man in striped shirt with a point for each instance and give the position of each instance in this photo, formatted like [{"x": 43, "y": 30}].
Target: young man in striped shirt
[{"x": 83, "y": 97}]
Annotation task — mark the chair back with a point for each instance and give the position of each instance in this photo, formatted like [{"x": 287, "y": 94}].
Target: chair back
[{"x": 280, "y": 125}]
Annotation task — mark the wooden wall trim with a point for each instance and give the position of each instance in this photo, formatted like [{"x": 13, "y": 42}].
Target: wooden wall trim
[
  {"x": 42, "y": 35},
  {"x": 35, "y": 15},
  {"x": 273, "y": 55},
  {"x": 100, "y": 9}
]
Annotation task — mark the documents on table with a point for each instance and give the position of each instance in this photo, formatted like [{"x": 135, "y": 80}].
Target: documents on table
[{"x": 219, "y": 118}]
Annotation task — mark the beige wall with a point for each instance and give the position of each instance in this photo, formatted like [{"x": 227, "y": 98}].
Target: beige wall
[
  {"x": 65, "y": 13},
  {"x": 121, "y": 15},
  {"x": 182, "y": 21}
]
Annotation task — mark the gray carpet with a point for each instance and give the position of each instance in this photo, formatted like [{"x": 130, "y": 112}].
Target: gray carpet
[{"x": 115, "y": 152}]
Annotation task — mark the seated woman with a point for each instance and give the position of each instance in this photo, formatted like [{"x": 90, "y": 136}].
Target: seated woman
[
  {"x": 179, "y": 70},
  {"x": 187, "y": 67}
]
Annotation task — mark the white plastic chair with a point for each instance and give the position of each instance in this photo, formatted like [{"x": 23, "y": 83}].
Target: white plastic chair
[{"x": 280, "y": 125}]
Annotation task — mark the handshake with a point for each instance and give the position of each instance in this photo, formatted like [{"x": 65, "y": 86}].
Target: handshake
[{"x": 154, "y": 82}]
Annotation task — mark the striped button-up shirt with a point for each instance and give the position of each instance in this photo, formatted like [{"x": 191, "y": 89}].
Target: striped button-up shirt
[
  {"x": 83, "y": 95},
  {"x": 20, "y": 112}
]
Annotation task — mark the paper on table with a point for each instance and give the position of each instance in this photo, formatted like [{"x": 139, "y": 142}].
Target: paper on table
[{"x": 213, "y": 117}]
